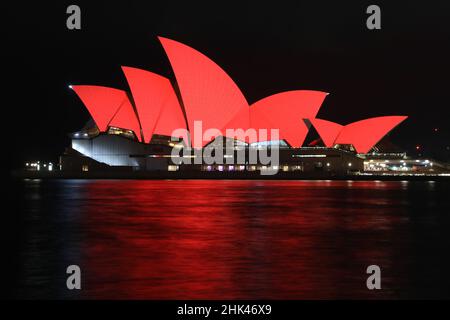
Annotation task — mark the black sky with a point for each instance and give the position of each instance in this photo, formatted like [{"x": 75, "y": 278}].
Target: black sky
[{"x": 266, "y": 47}]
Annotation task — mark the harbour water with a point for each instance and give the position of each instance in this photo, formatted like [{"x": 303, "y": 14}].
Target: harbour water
[{"x": 219, "y": 239}]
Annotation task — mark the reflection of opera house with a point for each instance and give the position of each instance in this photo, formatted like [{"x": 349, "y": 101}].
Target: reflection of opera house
[{"x": 138, "y": 130}]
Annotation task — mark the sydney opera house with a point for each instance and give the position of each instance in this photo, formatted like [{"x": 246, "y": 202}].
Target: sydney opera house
[{"x": 140, "y": 128}]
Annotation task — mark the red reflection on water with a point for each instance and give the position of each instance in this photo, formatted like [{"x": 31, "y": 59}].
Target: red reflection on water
[{"x": 237, "y": 239}]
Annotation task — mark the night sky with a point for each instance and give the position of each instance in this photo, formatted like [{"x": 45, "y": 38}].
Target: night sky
[{"x": 402, "y": 69}]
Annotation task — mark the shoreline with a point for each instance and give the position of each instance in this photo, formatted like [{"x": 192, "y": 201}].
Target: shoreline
[{"x": 216, "y": 175}]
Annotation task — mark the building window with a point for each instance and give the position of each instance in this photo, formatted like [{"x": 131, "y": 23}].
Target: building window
[
  {"x": 121, "y": 132},
  {"x": 84, "y": 168}
]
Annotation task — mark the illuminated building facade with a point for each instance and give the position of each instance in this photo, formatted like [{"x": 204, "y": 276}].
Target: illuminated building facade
[{"x": 137, "y": 129}]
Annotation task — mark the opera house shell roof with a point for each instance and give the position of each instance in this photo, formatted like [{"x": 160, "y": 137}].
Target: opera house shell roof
[{"x": 209, "y": 95}]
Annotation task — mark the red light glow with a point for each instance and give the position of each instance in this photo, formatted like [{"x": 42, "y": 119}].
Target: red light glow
[{"x": 101, "y": 102}]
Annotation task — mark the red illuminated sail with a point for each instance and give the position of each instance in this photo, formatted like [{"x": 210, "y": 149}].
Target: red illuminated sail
[
  {"x": 209, "y": 94},
  {"x": 327, "y": 130},
  {"x": 101, "y": 102},
  {"x": 365, "y": 134},
  {"x": 150, "y": 93},
  {"x": 171, "y": 117},
  {"x": 285, "y": 111}
]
